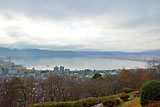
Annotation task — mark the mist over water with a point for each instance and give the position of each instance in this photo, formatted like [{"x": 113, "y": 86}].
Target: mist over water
[{"x": 79, "y": 63}]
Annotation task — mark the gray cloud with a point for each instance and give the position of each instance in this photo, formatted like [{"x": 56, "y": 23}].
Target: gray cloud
[{"x": 122, "y": 25}]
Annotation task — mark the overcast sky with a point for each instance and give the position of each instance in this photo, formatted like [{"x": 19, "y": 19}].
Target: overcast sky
[{"x": 103, "y": 25}]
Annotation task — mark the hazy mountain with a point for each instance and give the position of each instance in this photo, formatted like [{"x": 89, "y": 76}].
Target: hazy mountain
[{"x": 51, "y": 53}]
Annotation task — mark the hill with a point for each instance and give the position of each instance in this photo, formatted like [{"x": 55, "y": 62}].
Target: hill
[{"x": 59, "y": 53}]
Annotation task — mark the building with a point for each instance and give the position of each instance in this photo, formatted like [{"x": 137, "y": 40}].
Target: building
[
  {"x": 12, "y": 71},
  {"x": 20, "y": 69},
  {"x": 1, "y": 71},
  {"x": 32, "y": 74},
  {"x": 61, "y": 69},
  {"x": 67, "y": 70},
  {"x": 56, "y": 69}
]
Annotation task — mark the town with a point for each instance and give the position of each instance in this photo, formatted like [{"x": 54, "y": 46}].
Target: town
[{"x": 10, "y": 69}]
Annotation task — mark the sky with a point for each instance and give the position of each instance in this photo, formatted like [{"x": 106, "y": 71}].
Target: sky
[{"x": 89, "y": 25}]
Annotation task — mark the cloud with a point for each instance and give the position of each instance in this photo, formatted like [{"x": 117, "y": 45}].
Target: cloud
[{"x": 106, "y": 25}]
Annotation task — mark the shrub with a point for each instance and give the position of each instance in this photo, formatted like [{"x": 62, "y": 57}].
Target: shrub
[
  {"x": 127, "y": 90},
  {"x": 137, "y": 93},
  {"x": 111, "y": 102},
  {"x": 150, "y": 92},
  {"x": 97, "y": 75},
  {"x": 86, "y": 102},
  {"x": 124, "y": 97}
]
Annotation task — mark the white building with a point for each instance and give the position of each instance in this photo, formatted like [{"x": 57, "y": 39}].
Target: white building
[{"x": 13, "y": 71}]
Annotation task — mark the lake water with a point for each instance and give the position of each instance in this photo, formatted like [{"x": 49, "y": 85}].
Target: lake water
[{"x": 79, "y": 63}]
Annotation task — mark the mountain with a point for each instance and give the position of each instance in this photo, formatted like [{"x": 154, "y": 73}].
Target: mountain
[
  {"x": 153, "y": 52},
  {"x": 50, "y": 53}
]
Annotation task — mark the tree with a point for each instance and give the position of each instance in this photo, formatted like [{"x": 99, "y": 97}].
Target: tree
[
  {"x": 97, "y": 75},
  {"x": 11, "y": 95},
  {"x": 124, "y": 74}
]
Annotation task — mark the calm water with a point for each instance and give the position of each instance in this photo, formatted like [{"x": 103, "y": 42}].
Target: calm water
[{"x": 80, "y": 63}]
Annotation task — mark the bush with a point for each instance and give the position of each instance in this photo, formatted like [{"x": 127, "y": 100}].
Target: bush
[
  {"x": 97, "y": 75},
  {"x": 127, "y": 90},
  {"x": 111, "y": 102},
  {"x": 137, "y": 93},
  {"x": 86, "y": 102},
  {"x": 124, "y": 97},
  {"x": 150, "y": 92}
]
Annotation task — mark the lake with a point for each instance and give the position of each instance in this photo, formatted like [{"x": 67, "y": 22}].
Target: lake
[{"x": 79, "y": 63}]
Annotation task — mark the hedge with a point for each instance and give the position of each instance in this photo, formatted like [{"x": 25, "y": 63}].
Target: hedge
[
  {"x": 86, "y": 102},
  {"x": 111, "y": 102},
  {"x": 127, "y": 90}
]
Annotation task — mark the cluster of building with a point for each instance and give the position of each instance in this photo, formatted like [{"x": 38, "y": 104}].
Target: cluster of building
[
  {"x": 9, "y": 69},
  {"x": 60, "y": 69}
]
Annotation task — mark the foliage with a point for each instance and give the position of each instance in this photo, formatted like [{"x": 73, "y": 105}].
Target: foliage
[
  {"x": 150, "y": 92},
  {"x": 97, "y": 75},
  {"x": 127, "y": 90},
  {"x": 124, "y": 74},
  {"x": 86, "y": 102},
  {"x": 111, "y": 102},
  {"x": 124, "y": 97},
  {"x": 137, "y": 94},
  {"x": 134, "y": 92}
]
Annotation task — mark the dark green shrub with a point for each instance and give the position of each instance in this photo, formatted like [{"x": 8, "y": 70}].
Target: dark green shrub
[
  {"x": 97, "y": 75},
  {"x": 127, "y": 90},
  {"x": 111, "y": 102},
  {"x": 150, "y": 92},
  {"x": 124, "y": 97}
]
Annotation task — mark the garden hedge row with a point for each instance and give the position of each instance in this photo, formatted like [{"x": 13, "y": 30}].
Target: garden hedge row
[{"x": 86, "y": 102}]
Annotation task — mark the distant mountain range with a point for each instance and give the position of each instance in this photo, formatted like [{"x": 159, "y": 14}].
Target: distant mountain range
[{"x": 18, "y": 53}]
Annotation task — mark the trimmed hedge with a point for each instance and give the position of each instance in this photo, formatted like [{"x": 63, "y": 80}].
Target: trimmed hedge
[
  {"x": 86, "y": 102},
  {"x": 137, "y": 94},
  {"x": 150, "y": 92},
  {"x": 80, "y": 103},
  {"x": 111, "y": 102},
  {"x": 127, "y": 90},
  {"x": 124, "y": 97}
]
